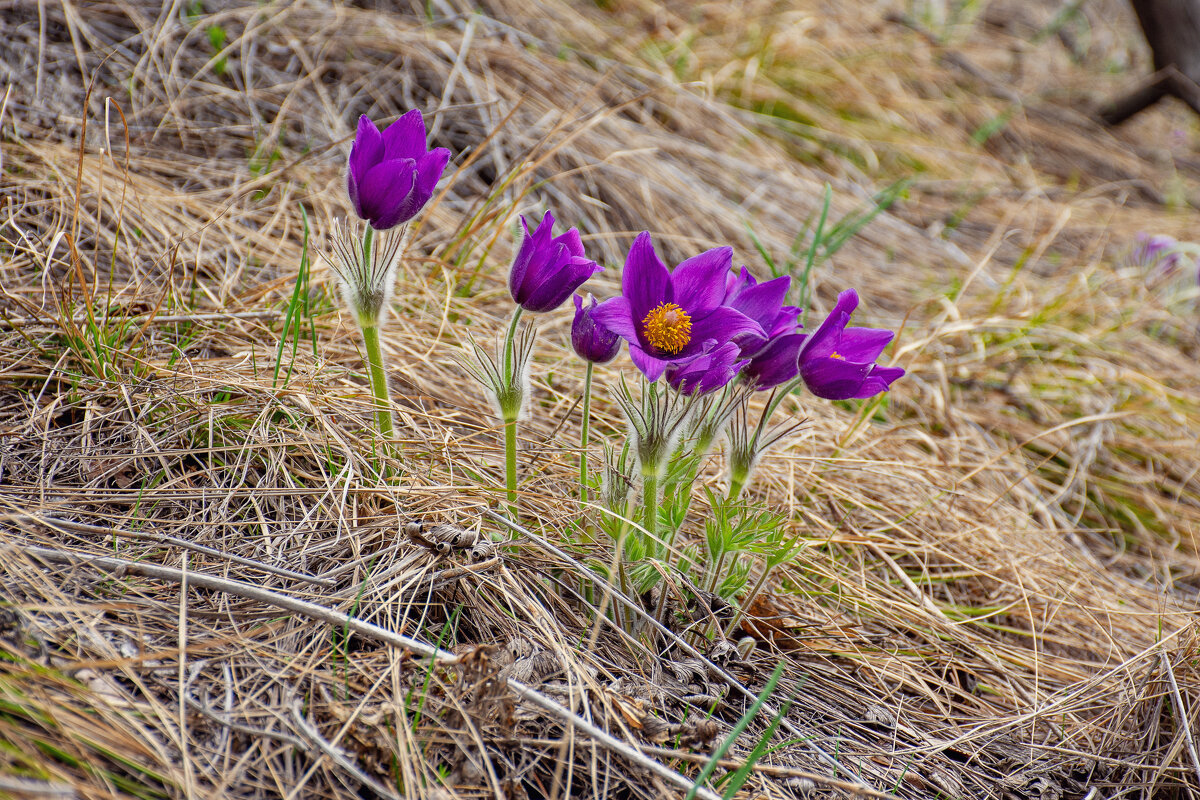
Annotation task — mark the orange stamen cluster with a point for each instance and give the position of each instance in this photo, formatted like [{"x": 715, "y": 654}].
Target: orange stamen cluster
[
  {"x": 667, "y": 328},
  {"x": 837, "y": 355}
]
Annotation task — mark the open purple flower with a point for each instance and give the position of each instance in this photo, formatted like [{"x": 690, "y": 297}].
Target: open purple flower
[
  {"x": 670, "y": 316},
  {"x": 592, "y": 342},
  {"x": 548, "y": 269},
  {"x": 763, "y": 303},
  {"x": 391, "y": 175},
  {"x": 838, "y": 363},
  {"x": 706, "y": 372}
]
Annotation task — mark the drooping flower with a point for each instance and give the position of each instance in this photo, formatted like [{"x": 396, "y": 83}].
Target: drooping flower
[
  {"x": 547, "y": 269},
  {"x": 391, "y": 175},
  {"x": 838, "y": 363},
  {"x": 763, "y": 303},
  {"x": 670, "y": 316},
  {"x": 592, "y": 342},
  {"x": 707, "y": 372}
]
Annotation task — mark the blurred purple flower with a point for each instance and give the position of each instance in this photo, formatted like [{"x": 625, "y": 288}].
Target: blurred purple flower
[
  {"x": 1162, "y": 255},
  {"x": 391, "y": 175},
  {"x": 671, "y": 316},
  {"x": 838, "y": 363},
  {"x": 592, "y": 342},
  {"x": 707, "y": 372},
  {"x": 763, "y": 303},
  {"x": 548, "y": 269}
]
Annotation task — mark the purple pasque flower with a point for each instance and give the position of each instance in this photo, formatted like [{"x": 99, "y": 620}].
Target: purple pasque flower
[
  {"x": 838, "y": 363},
  {"x": 706, "y": 372},
  {"x": 1149, "y": 249},
  {"x": 592, "y": 342},
  {"x": 391, "y": 175},
  {"x": 763, "y": 303},
  {"x": 547, "y": 270},
  {"x": 670, "y": 316}
]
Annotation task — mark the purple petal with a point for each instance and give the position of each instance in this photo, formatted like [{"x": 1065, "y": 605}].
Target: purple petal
[
  {"x": 699, "y": 281},
  {"x": 721, "y": 324},
  {"x": 430, "y": 168},
  {"x": 645, "y": 281},
  {"x": 572, "y": 242},
  {"x": 405, "y": 138},
  {"x": 614, "y": 315},
  {"x": 650, "y": 366},
  {"x": 863, "y": 344},
  {"x": 778, "y": 362},
  {"x": 516, "y": 275},
  {"x": 825, "y": 338},
  {"x": 880, "y": 380},
  {"x": 551, "y": 289},
  {"x": 833, "y": 378},
  {"x": 762, "y": 303},
  {"x": 366, "y": 152},
  {"x": 383, "y": 191},
  {"x": 544, "y": 232}
]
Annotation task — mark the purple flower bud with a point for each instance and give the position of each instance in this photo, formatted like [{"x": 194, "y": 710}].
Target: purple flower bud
[
  {"x": 707, "y": 372},
  {"x": 547, "y": 270},
  {"x": 838, "y": 363},
  {"x": 592, "y": 342},
  {"x": 391, "y": 175}
]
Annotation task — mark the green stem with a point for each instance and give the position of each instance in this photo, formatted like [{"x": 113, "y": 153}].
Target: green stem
[
  {"x": 736, "y": 485},
  {"x": 510, "y": 416},
  {"x": 583, "y": 443},
  {"x": 510, "y": 465},
  {"x": 650, "y": 505},
  {"x": 379, "y": 387}
]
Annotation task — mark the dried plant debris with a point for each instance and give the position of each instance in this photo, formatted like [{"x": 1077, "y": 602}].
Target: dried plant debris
[{"x": 997, "y": 587}]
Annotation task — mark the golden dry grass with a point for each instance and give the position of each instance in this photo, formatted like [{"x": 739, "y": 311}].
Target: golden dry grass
[{"x": 998, "y": 594}]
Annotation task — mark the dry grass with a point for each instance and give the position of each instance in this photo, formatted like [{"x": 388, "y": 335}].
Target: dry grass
[{"x": 998, "y": 594}]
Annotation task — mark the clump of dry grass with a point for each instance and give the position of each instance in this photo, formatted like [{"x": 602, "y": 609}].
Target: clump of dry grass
[{"x": 997, "y": 597}]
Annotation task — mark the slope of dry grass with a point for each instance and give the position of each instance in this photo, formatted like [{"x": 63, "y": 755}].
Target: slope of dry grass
[{"x": 997, "y": 597}]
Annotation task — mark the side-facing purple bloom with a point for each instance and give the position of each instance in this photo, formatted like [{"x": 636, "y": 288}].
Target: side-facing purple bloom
[
  {"x": 838, "y": 363},
  {"x": 669, "y": 316},
  {"x": 391, "y": 175},
  {"x": 548, "y": 269},
  {"x": 592, "y": 342},
  {"x": 763, "y": 303},
  {"x": 707, "y": 372}
]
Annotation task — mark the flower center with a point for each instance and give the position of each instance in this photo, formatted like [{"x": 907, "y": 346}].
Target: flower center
[
  {"x": 667, "y": 328},
  {"x": 837, "y": 355}
]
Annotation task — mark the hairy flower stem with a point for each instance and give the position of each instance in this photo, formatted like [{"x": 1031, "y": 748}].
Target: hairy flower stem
[
  {"x": 370, "y": 334},
  {"x": 736, "y": 484},
  {"x": 650, "y": 504},
  {"x": 379, "y": 387},
  {"x": 510, "y": 418},
  {"x": 583, "y": 443}
]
